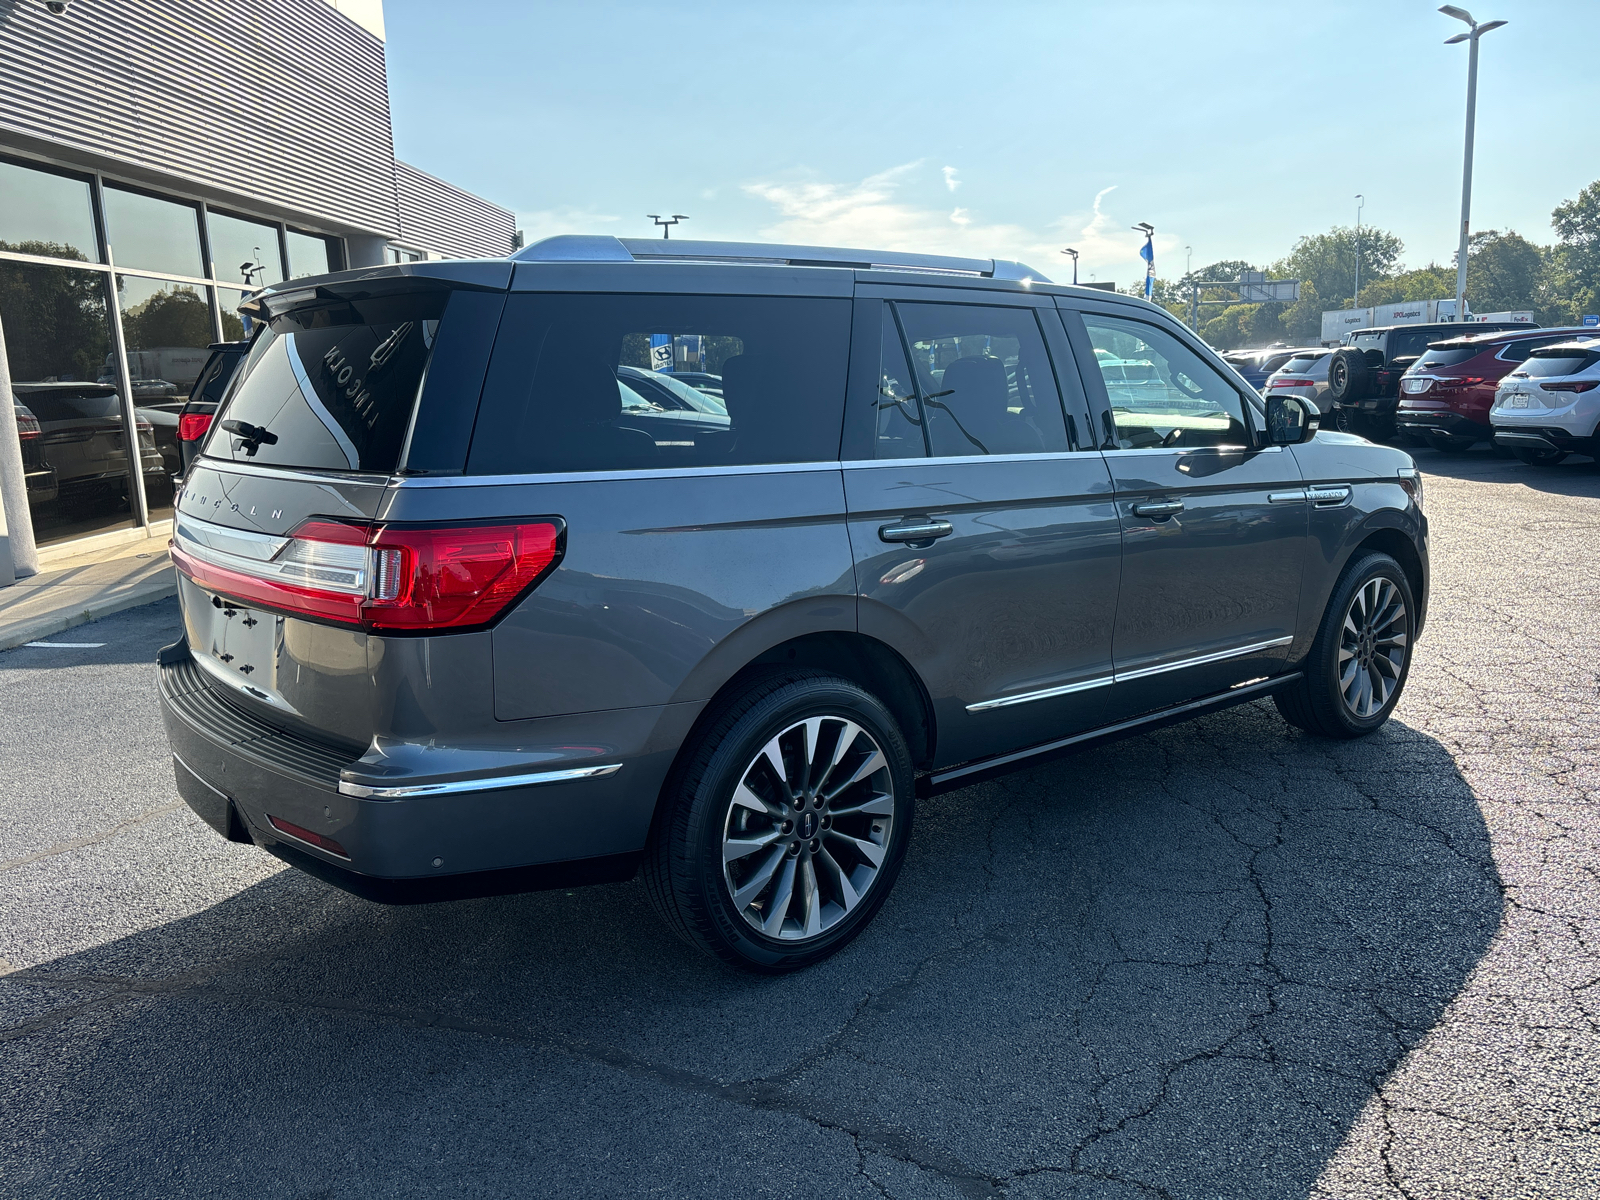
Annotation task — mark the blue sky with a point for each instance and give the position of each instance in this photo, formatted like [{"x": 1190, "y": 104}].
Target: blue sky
[{"x": 1000, "y": 129}]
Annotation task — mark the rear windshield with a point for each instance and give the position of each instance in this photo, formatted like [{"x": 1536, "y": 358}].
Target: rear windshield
[
  {"x": 1518, "y": 351},
  {"x": 331, "y": 388},
  {"x": 1447, "y": 356},
  {"x": 1542, "y": 364},
  {"x": 585, "y": 383},
  {"x": 1407, "y": 345},
  {"x": 67, "y": 406},
  {"x": 1301, "y": 363},
  {"x": 215, "y": 377}
]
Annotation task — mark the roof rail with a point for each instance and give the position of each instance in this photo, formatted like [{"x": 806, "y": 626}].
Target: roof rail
[{"x": 601, "y": 248}]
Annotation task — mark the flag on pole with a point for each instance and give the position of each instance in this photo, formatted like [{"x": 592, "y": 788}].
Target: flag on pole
[{"x": 1148, "y": 253}]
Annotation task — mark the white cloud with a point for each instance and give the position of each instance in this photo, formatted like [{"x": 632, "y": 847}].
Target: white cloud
[
  {"x": 950, "y": 180},
  {"x": 877, "y": 213},
  {"x": 551, "y": 222}
]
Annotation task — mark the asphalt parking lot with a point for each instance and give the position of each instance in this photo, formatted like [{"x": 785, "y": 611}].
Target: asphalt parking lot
[{"x": 1223, "y": 960}]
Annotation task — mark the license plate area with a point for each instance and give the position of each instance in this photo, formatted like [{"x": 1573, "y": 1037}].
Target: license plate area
[
  {"x": 238, "y": 645},
  {"x": 1517, "y": 401}
]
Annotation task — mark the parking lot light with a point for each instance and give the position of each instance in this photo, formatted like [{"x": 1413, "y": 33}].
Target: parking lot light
[{"x": 1472, "y": 36}]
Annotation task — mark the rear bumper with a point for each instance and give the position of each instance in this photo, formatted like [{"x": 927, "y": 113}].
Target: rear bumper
[
  {"x": 1441, "y": 421},
  {"x": 1550, "y": 438},
  {"x": 417, "y": 842}
]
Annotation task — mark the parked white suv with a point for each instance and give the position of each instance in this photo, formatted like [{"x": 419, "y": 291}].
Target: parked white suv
[
  {"x": 1305, "y": 375},
  {"x": 1549, "y": 407}
]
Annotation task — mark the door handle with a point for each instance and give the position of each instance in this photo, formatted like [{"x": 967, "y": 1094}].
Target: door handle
[
  {"x": 1158, "y": 509},
  {"x": 917, "y": 530}
]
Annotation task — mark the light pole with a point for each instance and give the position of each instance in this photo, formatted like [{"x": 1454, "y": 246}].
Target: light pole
[
  {"x": 1361, "y": 202},
  {"x": 666, "y": 226},
  {"x": 1188, "y": 260},
  {"x": 1477, "y": 31},
  {"x": 1074, "y": 254}
]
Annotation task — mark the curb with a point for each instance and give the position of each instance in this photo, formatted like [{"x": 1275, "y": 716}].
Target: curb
[{"x": 148, "y": 592}]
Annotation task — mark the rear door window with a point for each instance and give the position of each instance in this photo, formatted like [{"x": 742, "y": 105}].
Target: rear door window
[
  {"x": 984, "y": 379},
  {"x": 1518, "y": 351},
  {"x": 331, "y": 388},
  {"x": 587, "y": 383}
]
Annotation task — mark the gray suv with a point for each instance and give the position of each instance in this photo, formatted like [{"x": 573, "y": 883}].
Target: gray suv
[{"x": 472, "y": 605}]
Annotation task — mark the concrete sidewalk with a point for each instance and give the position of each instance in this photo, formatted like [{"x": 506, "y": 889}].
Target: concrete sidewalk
[{"x": 74, "y": 589}]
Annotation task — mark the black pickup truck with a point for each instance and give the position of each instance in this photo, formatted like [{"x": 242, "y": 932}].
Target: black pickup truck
[{"x": 1364, "y": 373}]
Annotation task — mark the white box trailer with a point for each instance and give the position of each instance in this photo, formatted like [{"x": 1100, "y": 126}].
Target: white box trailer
[{"x": 1341, "y": 321}]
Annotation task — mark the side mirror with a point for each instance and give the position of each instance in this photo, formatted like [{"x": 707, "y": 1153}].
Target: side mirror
[{"x": 1290, "y": 421}]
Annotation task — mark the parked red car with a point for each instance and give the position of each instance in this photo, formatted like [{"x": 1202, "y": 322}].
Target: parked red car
[{"x": 1446, "y": 394}]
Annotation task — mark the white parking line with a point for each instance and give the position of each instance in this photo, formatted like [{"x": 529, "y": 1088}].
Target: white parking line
[{"x": 65, "y": 645}]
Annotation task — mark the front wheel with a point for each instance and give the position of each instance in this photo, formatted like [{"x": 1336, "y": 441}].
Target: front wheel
[
  {"x": 1540, "y": 458},
  {"x": 1361, "y": 658},
  {"x": 784, "y": 826}
]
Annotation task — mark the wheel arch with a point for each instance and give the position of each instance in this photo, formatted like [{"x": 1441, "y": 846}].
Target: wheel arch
[{"x": 1399, "y": 545}]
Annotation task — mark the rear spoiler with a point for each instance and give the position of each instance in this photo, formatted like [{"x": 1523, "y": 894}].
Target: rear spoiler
[{"x": 366, "y": 283}]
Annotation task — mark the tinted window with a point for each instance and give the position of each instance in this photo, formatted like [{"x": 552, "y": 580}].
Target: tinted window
[
  {"x": 215, "y": 378},
  {"x": 554, "y": 400},
  {"x": 67, "y": 405},
  {"x": 1367, "y": 341},
  {"x": 153, "y": 235},
  {"x": 1162, "y": 393},
  {"x": 899, "y": 414},
  {"x": 332, "y": 387},
  {"x": 46, "y": 214},
  {"x": 1301, "y": 363},
  {"x": 1518, "y": 351},
  {"x": 168, "y": 329},
  {"x": 244, "y": 251},
  {"x": 1542, "y": 364},
  {"x": 309, "y": 254},
  {"x": 1447, "y": 356},
  {"x": 1408, "y": 345},
  {"x": 984, "y": 380}
]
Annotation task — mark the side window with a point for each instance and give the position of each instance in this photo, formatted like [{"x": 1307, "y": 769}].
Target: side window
[
  {"x": 1162, "y": 393},
  {"x": 984, "y": 380},
  {"x": 899, "y": 414},
  {"x": 616, "y": 382}
]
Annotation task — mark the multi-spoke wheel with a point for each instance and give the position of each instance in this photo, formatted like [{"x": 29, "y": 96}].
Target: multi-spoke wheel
[
  {"x": 1359, "y": 661},
  {"x": 808, "y": 827},
  {"x": 784, "y": 828},
  {"x": 1374, "y": 643}
]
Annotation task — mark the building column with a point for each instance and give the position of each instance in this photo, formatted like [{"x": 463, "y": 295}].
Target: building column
[{"x": 19, "y": 556}]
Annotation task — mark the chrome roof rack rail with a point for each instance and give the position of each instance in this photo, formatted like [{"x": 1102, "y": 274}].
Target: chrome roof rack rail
[{"x": 569, "y": 248}]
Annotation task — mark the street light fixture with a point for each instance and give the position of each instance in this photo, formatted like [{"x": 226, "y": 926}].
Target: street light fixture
[
  {"x": 666, "y": 226},
  {"x": 1472, "y": 36},
  {"x": 1074, "y": 254}
]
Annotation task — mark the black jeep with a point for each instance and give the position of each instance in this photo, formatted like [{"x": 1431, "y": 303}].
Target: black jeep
[{"x": 1364, "y": 374}]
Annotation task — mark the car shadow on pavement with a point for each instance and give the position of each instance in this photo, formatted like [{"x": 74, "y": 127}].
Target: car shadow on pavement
[
  {"x": 1577, "y": 476},
  {"x": 1177, "y": 966}
]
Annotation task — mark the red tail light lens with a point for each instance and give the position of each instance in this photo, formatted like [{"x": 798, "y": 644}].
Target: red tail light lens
[
  {"x": 1288, "y": 383},
  {"x": 398, "y": 578},
  {"x": 27, "y": 425},
  {"x": 194, "y": 426},
  {"x": 1571, "y": 385},
  {"x": 448, "y": 578}
]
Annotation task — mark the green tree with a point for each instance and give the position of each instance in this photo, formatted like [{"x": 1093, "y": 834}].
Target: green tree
[
  {"x": 1426, "y": 283},
  {"x": 1327, "y": 261},
  {"x": 55, "y": 317},
  {"x": 1505, "y": 272},
  {"x": 1302, "y": 320},
  {"x": 1575, "y": 269},
  {"x": 179, "y": 317}
]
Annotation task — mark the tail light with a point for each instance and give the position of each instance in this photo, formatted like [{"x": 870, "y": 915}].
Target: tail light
[
  {"x": 396, "y": 578},
  {"x": 1288, "y": 383},
  {"x": 1458, "y": 381},
  {"x": 27, "y": 425},
  {"x": 1571, "y": 385},
  {"x": 141, "y": 425},
  {"x": 194, "y": 426}
]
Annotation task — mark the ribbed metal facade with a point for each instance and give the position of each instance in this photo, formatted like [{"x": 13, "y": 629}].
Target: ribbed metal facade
[
  {"x": 440, "y": 217},
  {"x": 283, "y": 102}
]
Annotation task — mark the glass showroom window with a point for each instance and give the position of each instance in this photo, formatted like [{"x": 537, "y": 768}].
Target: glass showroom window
[
  {"x": 167, "y": 328},
  {"x": 310, "y": 254},
  {"x": 228, "y": 301},
  {"x": 68, "y": 412},
  {"x": 46, "y": 214},
  {"x": 244, "y": 251},
  {"x": 148, "y": 234}
]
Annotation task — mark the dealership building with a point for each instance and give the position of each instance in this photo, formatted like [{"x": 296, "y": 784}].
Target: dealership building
[{"x": 156, "y": 162}]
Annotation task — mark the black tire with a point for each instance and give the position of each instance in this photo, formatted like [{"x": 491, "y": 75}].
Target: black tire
[
  {"x": 1540, "y": 458},
  {"x": 1317, "y": 702},
  {"x": 1348, "y": 376},
  {"x": 684, "y": 872},
  {"x": 1449, "y": 443}
]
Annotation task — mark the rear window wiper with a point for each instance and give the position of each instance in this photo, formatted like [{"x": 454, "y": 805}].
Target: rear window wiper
[{"x": 251, "y": 437}]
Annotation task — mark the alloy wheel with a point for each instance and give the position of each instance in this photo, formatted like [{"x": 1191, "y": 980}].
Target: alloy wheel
[
  {"x": 808, "y": 828},
  {"x": 1373, "y": 645}
]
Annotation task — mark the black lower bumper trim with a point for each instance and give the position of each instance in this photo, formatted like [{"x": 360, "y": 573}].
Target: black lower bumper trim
[
  {"x": 1453, "y": 424},
  {"x": 611, "y": 868}
]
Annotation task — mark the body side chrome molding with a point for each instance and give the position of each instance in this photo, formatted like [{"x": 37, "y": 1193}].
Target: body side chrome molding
[
  {"x": 1238, "y": 694},
  {"x": 1123, "y": 676},
  {"x": 406, "y": 791},
  {"x": 411, "y": 483}
]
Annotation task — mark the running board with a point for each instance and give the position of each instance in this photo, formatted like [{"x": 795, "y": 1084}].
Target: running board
[{"x": 1001, "y": 764}]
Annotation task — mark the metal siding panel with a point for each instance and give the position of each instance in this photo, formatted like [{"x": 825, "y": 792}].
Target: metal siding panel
[
  {"x": 283, "y": 100},
  {"x": 440, "y": 217}
]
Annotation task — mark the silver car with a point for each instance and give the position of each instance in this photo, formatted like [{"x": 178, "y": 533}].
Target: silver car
[{"x": 1304, "y": 376}]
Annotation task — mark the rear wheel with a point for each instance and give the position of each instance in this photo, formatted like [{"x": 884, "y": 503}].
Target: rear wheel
[
  {"x": 1540, "y": 458},
  {"x": 785, "y": 825},
  {"x": 1361, "y": 658}
]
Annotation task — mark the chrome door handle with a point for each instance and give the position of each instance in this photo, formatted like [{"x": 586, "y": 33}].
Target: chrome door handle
[
  {"x": 922, "y": 530},
  {"x": 1296, "y": 497},
  {"x": 1159, "y": 509}
]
